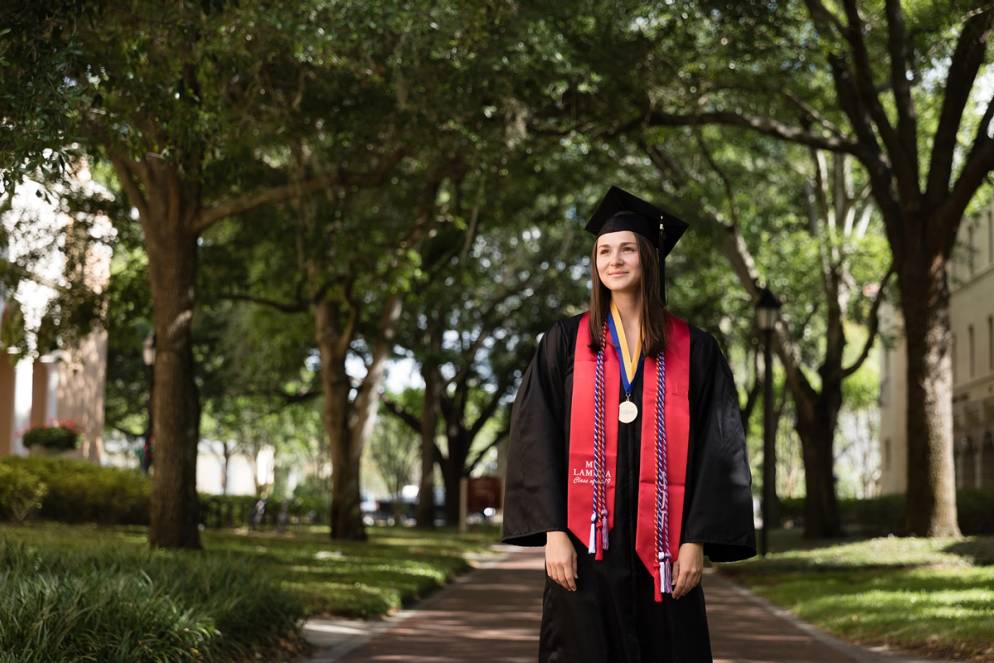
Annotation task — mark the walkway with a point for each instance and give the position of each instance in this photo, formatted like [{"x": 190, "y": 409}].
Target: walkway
[{"x": 493, "y": 614}]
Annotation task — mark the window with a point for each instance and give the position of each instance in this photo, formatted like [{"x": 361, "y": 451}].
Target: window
[
  {"x": 990, "y": 342},
  {"x": 954, "y": 359},
  {"x": 970, "y": 350},
  {"x": 970, "y": 248},
  {"x": 990, "y": 236}
]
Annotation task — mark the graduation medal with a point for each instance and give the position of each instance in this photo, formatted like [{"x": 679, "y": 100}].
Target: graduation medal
[{"x": 627, "y": 412}]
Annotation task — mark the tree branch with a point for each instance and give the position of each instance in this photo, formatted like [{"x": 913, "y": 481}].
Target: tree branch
[
  {"x": 907, "y": 122},
  {"x": 412, "y": 422},
  {"x": 968, "y": 56},
  {"x": 471, "y": 465},
  {"x": 285, "y": 307},
  {"x": 972, "y": 176},
  {"x": 981, "y": 137},
  {"x": 249, "y": 201},
  {"x": 873, "y": 326},
  {"x": 122, "y": 167},
  {"x": 763, "y": 125},
  {"x": 900, "y": 159}
]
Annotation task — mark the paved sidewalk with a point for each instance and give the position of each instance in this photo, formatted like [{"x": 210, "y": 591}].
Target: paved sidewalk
[
  {"x": 493, "y": 614},
  {"x": 490, "y": 614}
]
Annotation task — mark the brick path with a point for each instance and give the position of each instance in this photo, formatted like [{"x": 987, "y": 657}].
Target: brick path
[{"x": 493, "y": 614}]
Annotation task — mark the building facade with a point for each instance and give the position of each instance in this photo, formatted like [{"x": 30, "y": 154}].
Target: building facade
[
  {"x": 67, "y": 384},
  {"x": 971, "y": 313}
]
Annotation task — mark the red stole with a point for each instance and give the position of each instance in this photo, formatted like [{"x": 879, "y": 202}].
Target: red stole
[{"x": 676, "y": 414}]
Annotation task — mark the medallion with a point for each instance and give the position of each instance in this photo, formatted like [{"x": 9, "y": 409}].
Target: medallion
[{"x": 627, "y": 412}]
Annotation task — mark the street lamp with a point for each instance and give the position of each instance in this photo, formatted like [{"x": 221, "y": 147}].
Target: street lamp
[
  {"x": 767, "y": 308},
  {"x": 148, "y": 355}
]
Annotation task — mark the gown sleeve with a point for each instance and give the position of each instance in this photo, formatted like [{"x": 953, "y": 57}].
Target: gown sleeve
[
  {"x": 535, "y": 496},
  {"x": 719, "y": 510}
]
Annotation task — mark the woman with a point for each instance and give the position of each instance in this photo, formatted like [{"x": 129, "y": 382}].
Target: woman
[{"x": 627, "y": 459}]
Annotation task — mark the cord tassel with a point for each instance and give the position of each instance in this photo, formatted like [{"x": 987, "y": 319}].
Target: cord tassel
[
  {"x": 604, "y": 529},
  {"x": 592, "y": 545},
  {"x": 666, "y": 573}
]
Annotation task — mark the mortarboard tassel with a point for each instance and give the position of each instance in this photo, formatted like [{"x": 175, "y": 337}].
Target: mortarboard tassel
[{"x": 662, "y": 260}]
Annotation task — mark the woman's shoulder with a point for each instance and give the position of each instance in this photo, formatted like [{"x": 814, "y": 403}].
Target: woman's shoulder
[
  {"x": 701, "y": 340},
  {"x": 566, "y": 326}
]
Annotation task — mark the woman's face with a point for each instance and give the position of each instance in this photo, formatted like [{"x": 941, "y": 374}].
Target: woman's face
[{"x": 618, "y": 263}]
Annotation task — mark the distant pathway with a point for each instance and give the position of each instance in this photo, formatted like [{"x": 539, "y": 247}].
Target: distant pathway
[{"x": 493, "y": 614}]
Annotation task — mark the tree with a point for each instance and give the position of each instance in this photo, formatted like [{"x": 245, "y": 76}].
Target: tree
[
  {"x": 826, "y": 254},
  {"x": 393, "y": 450},
  {"x": 176, "y": 98},
  {"x": 488, "y": 289},
  {"x": 877, "y": 60},
  {"x": 844, "y": 81}
]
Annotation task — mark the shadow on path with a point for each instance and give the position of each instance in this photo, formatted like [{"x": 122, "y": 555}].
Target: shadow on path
[{"x": 493, "y": 614}]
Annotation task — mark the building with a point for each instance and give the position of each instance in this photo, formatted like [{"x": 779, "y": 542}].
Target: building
[
  {"x": 971, "y": 281},
  {"x": 66, "y": 384}
]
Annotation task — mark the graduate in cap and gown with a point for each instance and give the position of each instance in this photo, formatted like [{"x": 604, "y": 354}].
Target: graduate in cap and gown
[{"x": 627, "y": 458}]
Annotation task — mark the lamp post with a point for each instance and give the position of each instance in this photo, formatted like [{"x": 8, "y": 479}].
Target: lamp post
[
  {"x": 767, "y": 309},
  {"x": 148, "y": 356}
]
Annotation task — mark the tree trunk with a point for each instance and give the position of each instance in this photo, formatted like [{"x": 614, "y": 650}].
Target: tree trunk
[
  {"x": 429, "y": 425},
  {"x": 226, "y": 450},
  {"x": 930, "y": 507},
  {"x": 346, "y": 515},
  {"x": 453, "y": 469},
  {"x": 450, "y": 476},
  {"x": 172, "y": 254},
  {"x": 821, "y": 507}
]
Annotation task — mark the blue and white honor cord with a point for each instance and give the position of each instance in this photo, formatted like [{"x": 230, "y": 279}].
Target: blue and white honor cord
[{"x": 662, "y": 505}]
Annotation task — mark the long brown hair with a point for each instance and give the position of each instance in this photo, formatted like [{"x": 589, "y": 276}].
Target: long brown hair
[{"x": 653, "y": 316}]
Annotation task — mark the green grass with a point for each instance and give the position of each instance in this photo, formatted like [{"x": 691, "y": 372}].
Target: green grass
[
  {"x": 89, "y": 593},
  {"x": 71, "y": 596},
  {"x": 934, "y": 596},
  {"x": 393, "y": 568}
]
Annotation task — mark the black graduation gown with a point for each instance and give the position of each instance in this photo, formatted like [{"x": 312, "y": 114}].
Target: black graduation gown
[{"x": 612, "y": 617}]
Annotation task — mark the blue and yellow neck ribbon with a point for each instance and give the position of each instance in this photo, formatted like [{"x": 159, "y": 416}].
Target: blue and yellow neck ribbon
[{"x": 630, "y": 364}]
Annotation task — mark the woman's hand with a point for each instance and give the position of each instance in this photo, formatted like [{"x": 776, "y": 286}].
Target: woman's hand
[
  {"x": 560, "y": 559},
  {"x": 688, "y": 568}
]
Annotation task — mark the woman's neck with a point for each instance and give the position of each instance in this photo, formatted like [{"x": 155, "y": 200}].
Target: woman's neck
[{"x": 629, "y": 304}]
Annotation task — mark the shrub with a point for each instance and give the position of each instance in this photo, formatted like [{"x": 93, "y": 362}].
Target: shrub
[
  {"x": 975, "y": 508},
  {"x": 80, "y": 491},
  {"x": 237, "y": 510},
  {"x": 61, "y": 437},
  {"x": 878, "y": 516},
  {"x": 21, "y": 493}
]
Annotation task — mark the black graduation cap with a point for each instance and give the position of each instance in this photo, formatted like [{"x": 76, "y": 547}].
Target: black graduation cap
[{"x": 620, "y": 210}]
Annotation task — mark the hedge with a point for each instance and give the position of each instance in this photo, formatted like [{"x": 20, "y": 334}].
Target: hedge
[
  {"x": 78, "y": 491},
  {"x": 879, "y": 516}
]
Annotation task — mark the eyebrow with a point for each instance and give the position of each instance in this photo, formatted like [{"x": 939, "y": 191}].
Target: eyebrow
[{"x": 607, "y": 244}]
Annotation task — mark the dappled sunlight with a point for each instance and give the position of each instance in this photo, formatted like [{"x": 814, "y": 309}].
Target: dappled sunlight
[{"x": 923, "y": 594}]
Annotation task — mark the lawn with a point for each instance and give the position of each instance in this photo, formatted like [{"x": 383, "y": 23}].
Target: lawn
[
  {"x": 933, "y": 596},
  {"x": 86, "y": 593},
  {"x": 396, "y": 566}
]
